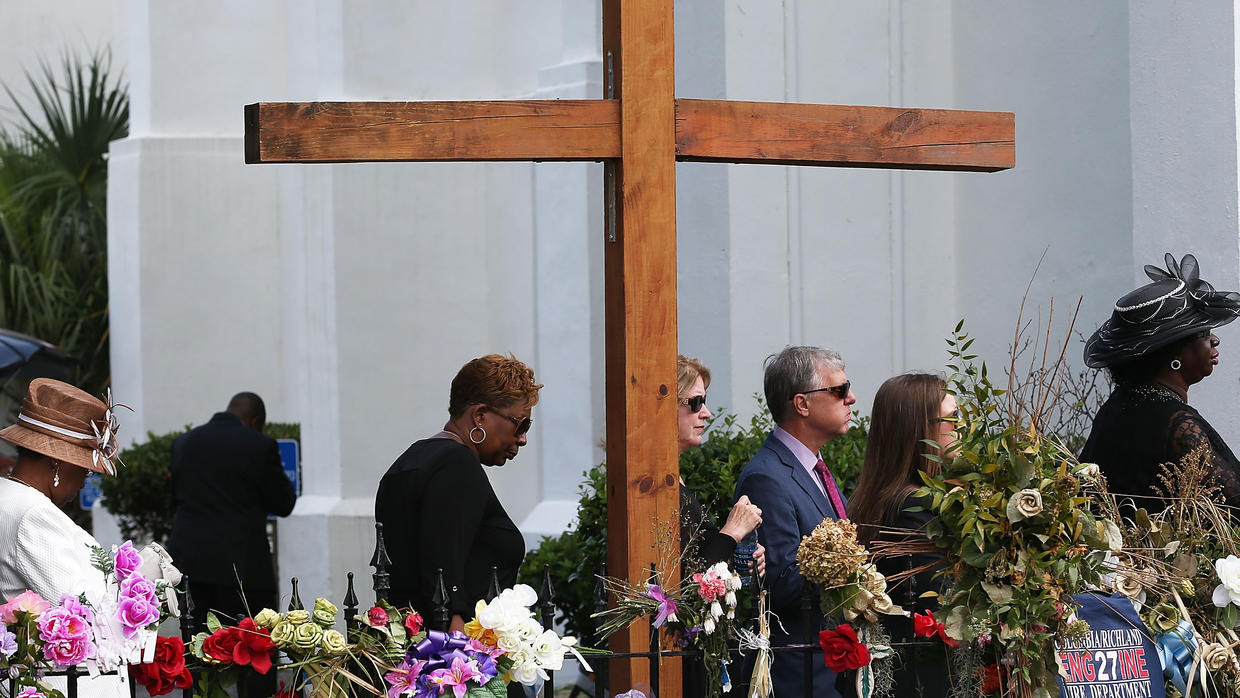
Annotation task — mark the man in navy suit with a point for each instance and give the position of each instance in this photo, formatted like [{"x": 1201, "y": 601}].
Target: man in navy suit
[{"x": 811, "y": 401}]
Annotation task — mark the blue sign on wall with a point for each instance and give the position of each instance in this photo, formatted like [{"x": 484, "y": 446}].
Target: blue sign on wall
[
  {"x": 90, "y": 492},
  {"x": 290, "y": 459}
]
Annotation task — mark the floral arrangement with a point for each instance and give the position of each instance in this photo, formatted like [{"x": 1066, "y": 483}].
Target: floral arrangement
[
  {"x": 699, "y": 611},
  {"x": 1014, "y": 523},
  {"x": 1181, "y": 569},
  {"x": 104, "y": 628},
  {"x": 851, "y": 585},
  {"x": 503, "y": 642}
]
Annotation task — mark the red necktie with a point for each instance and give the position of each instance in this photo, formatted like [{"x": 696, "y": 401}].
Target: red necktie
[{"x": 833, "y": 492}]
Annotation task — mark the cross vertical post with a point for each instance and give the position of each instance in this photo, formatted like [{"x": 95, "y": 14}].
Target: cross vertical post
[{"x": 640, "y": 310}]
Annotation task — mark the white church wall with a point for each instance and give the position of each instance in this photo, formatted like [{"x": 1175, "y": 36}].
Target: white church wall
[
  {"x": 34, "y": 31},
  {"x": 1062, "y": 68},
  {"x": 1184, "y": 165}
]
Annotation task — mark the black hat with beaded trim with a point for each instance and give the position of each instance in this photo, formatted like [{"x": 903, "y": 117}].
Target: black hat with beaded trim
[{"x": 1178, "y": 303}]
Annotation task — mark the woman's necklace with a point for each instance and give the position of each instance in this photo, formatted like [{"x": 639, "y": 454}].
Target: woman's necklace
[{"x": 451, "y": 435}]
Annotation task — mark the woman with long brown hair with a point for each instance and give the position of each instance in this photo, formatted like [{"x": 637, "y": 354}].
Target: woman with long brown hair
[{"x": 912, "y": 425}]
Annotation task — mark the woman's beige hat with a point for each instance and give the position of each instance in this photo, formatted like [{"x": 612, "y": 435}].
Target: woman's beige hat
[{"x": 67, "y": 424}]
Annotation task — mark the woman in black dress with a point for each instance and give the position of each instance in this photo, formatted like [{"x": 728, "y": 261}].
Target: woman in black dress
[
  {"x": 436, "y": 504},
  {"x": 909, "y": 411},
  {"x": 1157, "y": 343}
]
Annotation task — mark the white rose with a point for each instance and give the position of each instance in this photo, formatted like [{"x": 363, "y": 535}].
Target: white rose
[
  {"x": 1024, "y": 504},
  {"x": 549, "y": 651},
  {"x": 526, "y": 672},
  {"x": 1089, "y": 470},
  {"x": 520, "y": 595},
  {"x": 1228, "y": 592},
  {"x": 500, "y": 615},
  {"x": 508, "y": 642},
  {"x": 528, "y": 629},
  {"x": 1215, "y": 656}
]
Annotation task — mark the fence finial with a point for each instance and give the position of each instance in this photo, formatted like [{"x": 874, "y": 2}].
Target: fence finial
[
  {"x": 381, "y": 562},
  {"x": 294, "y": 603},
  {"x": 350, "y": 607}
]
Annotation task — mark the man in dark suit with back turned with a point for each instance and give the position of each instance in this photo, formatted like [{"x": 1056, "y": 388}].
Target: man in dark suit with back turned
[
  {"x": 226, "y": 479},
  {"x": 811, "y": 402}
]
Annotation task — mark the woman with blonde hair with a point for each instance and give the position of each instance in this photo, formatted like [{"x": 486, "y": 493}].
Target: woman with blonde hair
[{"x": 702, "y": 542}]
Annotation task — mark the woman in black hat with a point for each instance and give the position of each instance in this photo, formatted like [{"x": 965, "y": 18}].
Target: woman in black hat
[{"x": 1157, "y": 343}]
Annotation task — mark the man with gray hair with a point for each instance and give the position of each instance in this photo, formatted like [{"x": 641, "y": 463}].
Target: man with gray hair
[{"x": 811, "y": 401}]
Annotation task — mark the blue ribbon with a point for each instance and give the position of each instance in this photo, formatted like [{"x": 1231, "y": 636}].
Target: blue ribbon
[
  {"x": 1176, "y": 649},
  {"x": 435, "y": 645}
]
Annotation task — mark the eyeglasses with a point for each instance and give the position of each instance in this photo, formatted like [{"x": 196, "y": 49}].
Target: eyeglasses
[
  {"x": 840, "y": 391},
  {"x": 521, "y": 425},
  {"x": 695, "y": 403}
]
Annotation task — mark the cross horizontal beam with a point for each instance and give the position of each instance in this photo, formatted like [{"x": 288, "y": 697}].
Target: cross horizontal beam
[{"x": 575, "y": 130}]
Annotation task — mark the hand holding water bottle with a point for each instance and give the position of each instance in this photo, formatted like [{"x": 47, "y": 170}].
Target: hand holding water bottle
[{"x": 742, "y": 525}]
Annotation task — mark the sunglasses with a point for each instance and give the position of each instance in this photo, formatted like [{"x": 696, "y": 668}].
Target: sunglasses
[
  {"x": 840, "y": 391},
  {"x": 695, "y": 403},
  {"x": 521, "y": 425},
  {"x": 953, "y": 416}
]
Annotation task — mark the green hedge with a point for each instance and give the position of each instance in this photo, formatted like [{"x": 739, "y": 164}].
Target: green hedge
[
  {"x": 140, "y": 496},
  {"x": 711, "y": 470}
]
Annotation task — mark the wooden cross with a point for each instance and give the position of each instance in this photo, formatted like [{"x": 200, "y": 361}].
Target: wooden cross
[{"x": 639, "y": 130}]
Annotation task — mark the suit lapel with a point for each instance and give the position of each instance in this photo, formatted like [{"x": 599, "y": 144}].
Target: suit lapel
[{"x": 801, "y": 477}]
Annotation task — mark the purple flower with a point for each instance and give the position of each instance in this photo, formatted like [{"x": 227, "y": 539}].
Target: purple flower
[
  {"x": 487, "y": 669},
  {"x": 128, "y": 561},
  {"x": 456, "y": 677},
  {"x": 135, "y": 614},
  {"x": 8, "y": 643},
  {"x": 403, "y": 680},
  {"x": 136, "y": 586}
]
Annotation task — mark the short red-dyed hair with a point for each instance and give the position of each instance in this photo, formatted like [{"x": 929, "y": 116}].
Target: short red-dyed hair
[{"x": 496, "y": 380}]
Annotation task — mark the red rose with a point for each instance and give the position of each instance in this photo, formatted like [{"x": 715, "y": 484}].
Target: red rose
[
  {"x": 377, "y": 617},
  {"x": 925, "y": 626},
  {"x": 219, "y": 646},
  {"x": 841, "y": 649},
  {"x": 929, "y": 626},
  {"x": 167, "y": 672},
  {"x": 413, "y": 623},
  {"x": 254, "y": 646}
]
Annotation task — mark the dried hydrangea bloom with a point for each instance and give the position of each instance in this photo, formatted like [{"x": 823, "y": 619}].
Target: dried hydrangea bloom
[{"x": 831, "y": 555}]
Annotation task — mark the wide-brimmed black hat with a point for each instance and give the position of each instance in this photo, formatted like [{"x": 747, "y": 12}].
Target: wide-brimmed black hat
[{"x": 1177, "y": 304}]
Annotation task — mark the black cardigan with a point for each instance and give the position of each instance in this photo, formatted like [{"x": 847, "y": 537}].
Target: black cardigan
[{"x": 438, "y": 510}]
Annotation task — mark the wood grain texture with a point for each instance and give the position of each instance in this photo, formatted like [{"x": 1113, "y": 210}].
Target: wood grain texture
[
  {"x": 844, "y": 136},
  {"x": 553, "y": 130},
  {"x": 640, "y": 309}
]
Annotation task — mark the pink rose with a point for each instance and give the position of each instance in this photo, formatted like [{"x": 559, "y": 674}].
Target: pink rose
[
  {"x": 128, "y": 561},
  {"x": 136, "y": 613},
  {"x": 377, "y": 616},
  {"x": 136, "y": 586},
  {"x": 62, "y": 624},
  {"x": 69, "y": 651},
  {"x": 25, "y": 602}
]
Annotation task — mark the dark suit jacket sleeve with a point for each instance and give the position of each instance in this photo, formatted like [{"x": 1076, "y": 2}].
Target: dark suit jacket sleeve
[
  {"x": 277, "y": 494},
  {"x": 779, "y": 534},
  {"x": 452, "y": 514}
]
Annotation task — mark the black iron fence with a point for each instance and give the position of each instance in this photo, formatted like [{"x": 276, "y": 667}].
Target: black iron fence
[{"x": 440, "y": 615}]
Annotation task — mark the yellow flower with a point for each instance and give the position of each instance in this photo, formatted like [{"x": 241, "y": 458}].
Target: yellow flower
[
  {"x": 307, "y": 636},
  {"x": 266, "y": 618},
  {"x": 324, "y": 612},
  {"x": 474, "y": 630},
  {"x": 334, "y": 642},
  {"x": 297, "y": 617},
  {"x": 282, "y": 633}
]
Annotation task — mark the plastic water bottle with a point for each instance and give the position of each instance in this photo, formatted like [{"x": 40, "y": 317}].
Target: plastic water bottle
[{"x": 742, "y": 557}]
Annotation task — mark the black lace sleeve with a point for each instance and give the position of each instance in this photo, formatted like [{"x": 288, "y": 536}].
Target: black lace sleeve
[{"x": 1190, "y": 431}]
